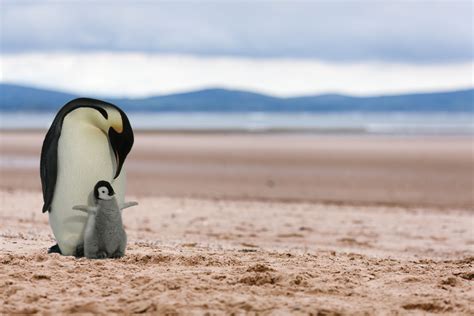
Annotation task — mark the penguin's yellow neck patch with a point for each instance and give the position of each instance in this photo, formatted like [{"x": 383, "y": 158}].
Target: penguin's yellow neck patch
[{"x": 115, "y": 119}]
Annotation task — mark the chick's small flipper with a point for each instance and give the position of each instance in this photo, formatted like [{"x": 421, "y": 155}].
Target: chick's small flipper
[
  {"x": 127, "y": 204},
  {"x": 86, "y": 208}
]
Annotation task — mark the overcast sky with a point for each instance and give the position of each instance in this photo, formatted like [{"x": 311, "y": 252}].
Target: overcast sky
[{"x": 308, "y": 45}]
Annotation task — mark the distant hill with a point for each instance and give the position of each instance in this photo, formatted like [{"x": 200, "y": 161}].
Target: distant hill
[{"x": 22, "y": 98}]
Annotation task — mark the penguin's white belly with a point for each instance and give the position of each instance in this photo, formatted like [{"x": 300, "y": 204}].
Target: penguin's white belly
[{"x": 84, "y": 157}]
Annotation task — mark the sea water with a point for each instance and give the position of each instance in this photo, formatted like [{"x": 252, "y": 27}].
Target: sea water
[{"x": 341, "y": 122}]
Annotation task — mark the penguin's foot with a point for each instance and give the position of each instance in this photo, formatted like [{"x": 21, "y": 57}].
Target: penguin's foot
[
  {"x": 101, "y": 255},
  {"x": 55, "y": 249},
  {"x": 117, "y": 254},
  {"x": 79, "y": 251}
]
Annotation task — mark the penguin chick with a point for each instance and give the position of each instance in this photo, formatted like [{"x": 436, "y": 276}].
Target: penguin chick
[{"x": 104, "y": 236}]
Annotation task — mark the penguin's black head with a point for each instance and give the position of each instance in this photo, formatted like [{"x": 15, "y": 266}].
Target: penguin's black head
[
  {"x": 103, "y": 190},
  {"x": 121, "y": 139}
]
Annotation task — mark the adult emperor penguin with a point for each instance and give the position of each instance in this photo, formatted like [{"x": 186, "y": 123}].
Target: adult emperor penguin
[{"x": 88, "y": 141}]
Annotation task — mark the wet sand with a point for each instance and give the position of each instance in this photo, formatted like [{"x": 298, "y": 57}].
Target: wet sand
[
  {"x": 355, "y": 170},
  {"x": 268, "y": 224}
]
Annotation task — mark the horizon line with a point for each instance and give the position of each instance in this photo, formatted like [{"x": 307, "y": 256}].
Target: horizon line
[{"x": 224, "y": 88}]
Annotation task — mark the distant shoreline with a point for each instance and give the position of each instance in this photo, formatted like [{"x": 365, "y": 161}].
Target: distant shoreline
[
  {"x": 315, "y": 132},
  {"x": 350, "y": 123}
]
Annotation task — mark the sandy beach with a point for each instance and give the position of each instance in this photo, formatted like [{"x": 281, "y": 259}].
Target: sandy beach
[{"x": 257, "y": 223}]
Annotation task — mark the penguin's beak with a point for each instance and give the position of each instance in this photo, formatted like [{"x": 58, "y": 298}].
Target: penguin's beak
[{"x": 121, "y": 142}]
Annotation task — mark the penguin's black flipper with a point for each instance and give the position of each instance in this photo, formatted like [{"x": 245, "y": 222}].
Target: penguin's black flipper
[{"x": 55, "y": 249}]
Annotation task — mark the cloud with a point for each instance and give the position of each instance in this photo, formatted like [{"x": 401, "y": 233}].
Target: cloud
[
  {"x": 348, "y": 31},
  {"x": 140, "y": 74}
]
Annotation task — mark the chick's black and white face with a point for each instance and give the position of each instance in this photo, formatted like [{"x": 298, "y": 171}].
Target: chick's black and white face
[
  {"x": 103, "y": 191},
  {"x": 104, "y": 194}
]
